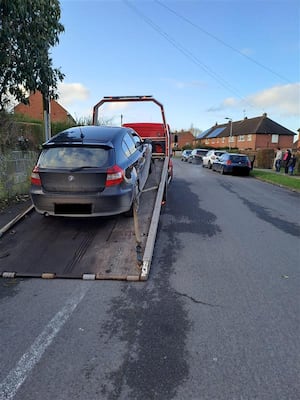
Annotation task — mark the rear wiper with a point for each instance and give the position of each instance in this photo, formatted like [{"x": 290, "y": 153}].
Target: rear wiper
[{"x": 83, "y": 167}]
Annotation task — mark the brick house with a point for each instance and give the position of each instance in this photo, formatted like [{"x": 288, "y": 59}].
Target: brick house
[
  {"x": 249, "y": 134},
  {"x": 35, "y": 111},
  {"x": 184, "y": 138}
]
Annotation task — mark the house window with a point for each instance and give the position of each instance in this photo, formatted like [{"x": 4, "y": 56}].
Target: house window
[
  {"x": 223, "y": 139},
  {"x": 275, "y": 138},
  {"x": 231, "y": 139},
  {"x": 241, "y": 138},
  {"x": 249, "y": 138}
]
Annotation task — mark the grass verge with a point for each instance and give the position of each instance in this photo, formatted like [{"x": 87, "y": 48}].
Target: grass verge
[{"x": 290, "y": 182}]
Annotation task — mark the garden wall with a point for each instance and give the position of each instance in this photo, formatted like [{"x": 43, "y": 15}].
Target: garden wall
[{"x": 15, "y": 171}]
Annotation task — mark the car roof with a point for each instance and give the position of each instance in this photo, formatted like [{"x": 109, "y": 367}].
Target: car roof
[{"x": 90, "y": 134}]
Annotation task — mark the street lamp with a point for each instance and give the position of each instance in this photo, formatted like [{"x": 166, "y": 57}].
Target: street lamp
[{"x": 230, "y": 134}]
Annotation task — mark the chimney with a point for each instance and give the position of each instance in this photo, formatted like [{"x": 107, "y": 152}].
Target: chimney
[{"x": 265, "y": 115}]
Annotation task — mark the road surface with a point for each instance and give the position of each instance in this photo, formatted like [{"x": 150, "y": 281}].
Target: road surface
[{"x": 218, "y": 318}]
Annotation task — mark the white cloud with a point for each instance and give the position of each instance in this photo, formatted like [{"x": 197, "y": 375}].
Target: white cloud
[
  {"x": 70, "y": 93},
  {"x": 247, "y": 52},
  {"x": 284, "y": 100},
  {"x": 183, "y": 84}
]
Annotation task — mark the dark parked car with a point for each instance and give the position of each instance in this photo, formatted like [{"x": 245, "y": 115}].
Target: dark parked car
[
  {"x": 230, "y": 163},
  {"x": 90, "y": 171},
  {"x": 185, "y": 155},
  {"x": 196, "y": 156}
]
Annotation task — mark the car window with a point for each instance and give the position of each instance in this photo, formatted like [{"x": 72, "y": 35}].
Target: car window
[
  {"x": 128, "y": 145},
  {"x": 238, "y": 158},
  {"x": 73, "y": 157},
  {"x": 136, "y": 138}
]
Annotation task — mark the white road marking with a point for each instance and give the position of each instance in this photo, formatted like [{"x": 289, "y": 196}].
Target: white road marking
[{"x": 11, "y": 384}]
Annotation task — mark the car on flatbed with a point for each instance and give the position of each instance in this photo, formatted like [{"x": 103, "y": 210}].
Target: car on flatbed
[{"x": 89, "y": 171}]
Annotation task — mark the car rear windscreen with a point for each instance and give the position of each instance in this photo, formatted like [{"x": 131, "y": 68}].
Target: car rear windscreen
[
  {"x": 74, "y": 157},
  {"x": 237, "y": 159}
]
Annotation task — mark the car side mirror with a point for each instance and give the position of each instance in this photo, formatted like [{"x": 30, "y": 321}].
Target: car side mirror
[{"x": 147, "y": 141}]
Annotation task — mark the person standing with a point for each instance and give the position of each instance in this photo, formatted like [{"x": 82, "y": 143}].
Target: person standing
[
  {"x": 286, "y": 159},
  {"x": 278, "y": 158},
  {"x": 292, "y": 164}
]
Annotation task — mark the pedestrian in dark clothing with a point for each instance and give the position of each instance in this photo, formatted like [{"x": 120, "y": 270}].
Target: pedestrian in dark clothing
[
  {"x": 292, "y": 164},
  {"x": 286, "y": 159}
]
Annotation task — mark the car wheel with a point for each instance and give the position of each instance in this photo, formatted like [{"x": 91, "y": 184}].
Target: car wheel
[{"x": 209, "y": 165}]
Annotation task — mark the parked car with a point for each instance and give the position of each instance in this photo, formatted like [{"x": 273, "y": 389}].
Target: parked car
[
  {"x": 196, "y": 156},
  {"x": 90, "y": 171},
  {"x": 232, "y": 164},
  {"x": 210, "y": 157},
  {"x": 185, "y": 155}
]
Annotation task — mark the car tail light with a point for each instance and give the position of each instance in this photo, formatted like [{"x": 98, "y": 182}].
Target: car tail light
[
  {"x": 35, "y": 177},
  {"x": 115, "y": 175},
  {"x": 228, "y": 162}
]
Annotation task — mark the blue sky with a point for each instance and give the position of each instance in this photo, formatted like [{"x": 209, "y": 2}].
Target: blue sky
[{"x": 204, "y": 60}]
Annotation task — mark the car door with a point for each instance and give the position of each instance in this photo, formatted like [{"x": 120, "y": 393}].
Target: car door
[
  {"x": 136, "y": 157},
  {"x": 144, "y": 158}
]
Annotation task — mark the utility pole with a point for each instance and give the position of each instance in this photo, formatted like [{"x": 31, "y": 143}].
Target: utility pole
[{"x": 230, "y": 134}]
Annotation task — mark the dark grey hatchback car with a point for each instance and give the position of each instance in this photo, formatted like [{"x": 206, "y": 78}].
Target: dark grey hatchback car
[{"x": 90, "y": 171}]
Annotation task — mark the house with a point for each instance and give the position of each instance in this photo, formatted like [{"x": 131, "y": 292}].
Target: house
[
  {"x": 184, "y": 139},
  {"x": 35, "y": 110},
  {"x": 248, "y": 134}
]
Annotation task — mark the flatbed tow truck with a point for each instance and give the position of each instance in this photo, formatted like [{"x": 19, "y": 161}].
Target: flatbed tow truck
[{"x": 117, "y": 248}]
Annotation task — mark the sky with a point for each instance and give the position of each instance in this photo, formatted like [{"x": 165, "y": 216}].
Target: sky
[{"x": 204, "y": 60}]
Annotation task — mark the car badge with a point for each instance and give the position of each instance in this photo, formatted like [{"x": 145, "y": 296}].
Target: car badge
[{"x": 71, "y": 178}]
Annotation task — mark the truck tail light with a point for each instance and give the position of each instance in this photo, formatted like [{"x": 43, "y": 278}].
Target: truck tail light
[
  {"x": 115, "y": 175},
  {"x": 35, "y": 177}
]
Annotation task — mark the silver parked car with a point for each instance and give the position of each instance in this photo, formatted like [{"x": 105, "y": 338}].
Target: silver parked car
[
  {"x": 90, "y": 171},
  {"x": 185, "y": 155},
  {"x": 211, "y": 157},
  {"x": 196, "y": 156}
]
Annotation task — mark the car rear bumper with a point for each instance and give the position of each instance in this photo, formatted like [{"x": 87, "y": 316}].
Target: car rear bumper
[
  {"x": 83, "y": 205},
  {"x": 236, "y": 170}
]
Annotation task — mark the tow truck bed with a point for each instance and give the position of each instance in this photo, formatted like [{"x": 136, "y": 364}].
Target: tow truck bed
[{"x": 89, "y": 248}]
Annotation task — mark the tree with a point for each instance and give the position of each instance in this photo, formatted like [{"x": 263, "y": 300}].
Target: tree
[{"x": 28, "y": 29}]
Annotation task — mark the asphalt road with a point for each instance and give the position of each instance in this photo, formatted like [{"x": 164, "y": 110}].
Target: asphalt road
[{"x": 218, "y": 318}]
